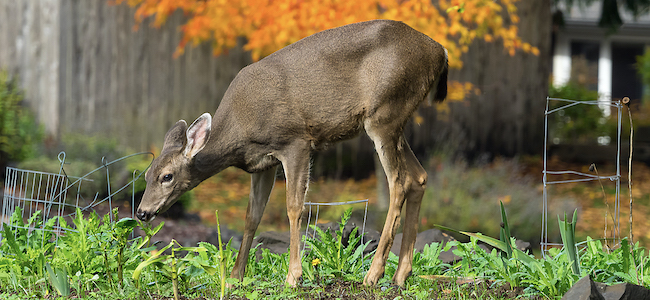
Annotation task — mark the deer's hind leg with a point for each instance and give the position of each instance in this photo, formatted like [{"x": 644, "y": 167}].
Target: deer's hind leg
[
  {"x": 414, "y": 195},
  {"x": 261, "y": 186},
  {"x": 406, "y": 181}
]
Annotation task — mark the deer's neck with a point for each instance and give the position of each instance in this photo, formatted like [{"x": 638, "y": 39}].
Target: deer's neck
[{"x": 220, "y": 152}]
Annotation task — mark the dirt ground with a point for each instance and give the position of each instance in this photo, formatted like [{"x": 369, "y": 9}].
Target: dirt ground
[{"x": 440, "y": 289}]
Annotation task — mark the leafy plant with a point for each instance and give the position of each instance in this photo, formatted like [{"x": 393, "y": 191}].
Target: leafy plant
[
  {"x": 216, "y": 260},
  {"x": 120, "y": 234},
  {"x": 58, "y": 279},
  {"x": 582, "y": 124},
  {"x": 568, "y": 233},
  {"x": 169, "y": 265},
  {"x": 428, "y": 262},
  {"x": 335, "y": 259},
  {"x": 78, "y": 248},
  {"x": 504, "y": 232},
  {"x": 28, "y": 244},
  {"x": 90, "y": 250},
  {"x": 643, "y": 68},
  {"x": 551, "y": 276},
  {"x": 149, "y": 232},
  {"x": 19, "y": 132}
]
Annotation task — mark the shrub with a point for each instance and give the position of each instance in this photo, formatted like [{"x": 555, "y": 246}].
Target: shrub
[
  {"x": 463, "y": 196},
  {"x": 582, "y": 123},
  {"x": 19, "y": 132},
  {"x": 643, "y": 69}
]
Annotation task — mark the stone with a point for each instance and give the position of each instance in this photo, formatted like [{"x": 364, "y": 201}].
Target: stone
[
  {"x": 630, "y": 292},
  {"x": 425, "y": 238},
  {"x": 523, "y": 246},
  {"x": 276, "y": 242},
  {"x": 583, "y": 289},
  {"x": 587, "y": 289},
  {"x": 226, "y": 235}
]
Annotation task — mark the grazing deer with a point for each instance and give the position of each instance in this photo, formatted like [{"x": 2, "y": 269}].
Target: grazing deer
[{"x": 322, "y": 89}]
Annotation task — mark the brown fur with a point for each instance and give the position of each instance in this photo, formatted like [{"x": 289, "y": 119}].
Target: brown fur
[{"x": 322, "y": 89}]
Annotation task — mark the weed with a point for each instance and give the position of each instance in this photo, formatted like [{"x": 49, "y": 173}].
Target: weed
[
  {"x": 329, "y": 258},
  {"x": 97, "y": 251},
  {"x": 58, "y": 279},
  {"x": 19, "y": 132}
]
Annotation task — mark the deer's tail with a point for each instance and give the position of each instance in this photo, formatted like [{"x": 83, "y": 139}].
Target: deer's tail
[{"x": 441, "y": 89}]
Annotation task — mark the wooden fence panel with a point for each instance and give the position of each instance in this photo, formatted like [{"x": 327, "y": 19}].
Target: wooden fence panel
[{"x": 85, "y": 70}]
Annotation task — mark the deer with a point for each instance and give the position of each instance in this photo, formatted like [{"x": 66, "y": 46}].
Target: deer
[{"x": 328, "y": 87}]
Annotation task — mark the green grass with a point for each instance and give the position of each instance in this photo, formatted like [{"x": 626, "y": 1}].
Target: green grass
[{"x": 98, "y": 261}]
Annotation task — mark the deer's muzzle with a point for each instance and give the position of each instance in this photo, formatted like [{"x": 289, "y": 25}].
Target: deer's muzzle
[{"x": 144, "y": 215}]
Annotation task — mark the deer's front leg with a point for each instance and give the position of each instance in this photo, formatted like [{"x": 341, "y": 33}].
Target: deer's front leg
[
  {"x": 296, "y": 170},
  {"x": 261, "y": 186}
]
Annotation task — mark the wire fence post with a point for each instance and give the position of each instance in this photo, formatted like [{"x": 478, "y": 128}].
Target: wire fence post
[{"x": 577, "y": 176}]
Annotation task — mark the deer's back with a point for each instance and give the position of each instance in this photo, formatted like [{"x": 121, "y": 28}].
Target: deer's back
[{"x": 325, "y": 85}]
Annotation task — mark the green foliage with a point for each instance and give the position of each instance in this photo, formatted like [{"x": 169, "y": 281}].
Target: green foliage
[
  {"x": 89, "y": 148},
  {"x": 26, "y": 247},
  {"x": 576, "y": 124},
  {"x": 427, "y": 262},
  {"x": 139, "y": 165},
  {"x": 568, "y": 233},
  {"x": 466, "y": 195},
  {"x": 504, "y": 233},
  {"x": 178, "y": 270},
  {"x": 628, "y": 263},
  {"x": 643, "y": 69},
  {"x": 58, "y": 279},
  {"x": 552, "y": 277},
  {"x": 329, "y": 258},
  {"x": 19, "y": 132},
  {"x": 87, "y": 260}
]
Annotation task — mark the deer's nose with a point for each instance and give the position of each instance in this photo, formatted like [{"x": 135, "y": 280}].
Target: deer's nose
[{"x": 142, "y": 215}]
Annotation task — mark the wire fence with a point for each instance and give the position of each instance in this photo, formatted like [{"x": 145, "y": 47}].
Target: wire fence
[
  {"x": 57, "y": 195},
  {"x": 554, "y": 177},
  {"x": 319, "y": 204}
]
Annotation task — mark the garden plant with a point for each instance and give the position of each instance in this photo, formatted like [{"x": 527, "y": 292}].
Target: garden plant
[{"x": 97, "y": 259}]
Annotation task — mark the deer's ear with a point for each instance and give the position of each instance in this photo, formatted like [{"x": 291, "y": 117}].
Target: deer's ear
[
  {"x": 175, "y": 137},
  {"x": 197, "y": 135}
]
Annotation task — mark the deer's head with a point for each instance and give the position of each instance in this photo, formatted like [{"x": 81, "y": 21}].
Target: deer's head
[{"x": 174, "y": 172}]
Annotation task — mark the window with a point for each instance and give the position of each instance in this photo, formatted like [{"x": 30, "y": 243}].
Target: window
[{"x": 584, "y": 63}]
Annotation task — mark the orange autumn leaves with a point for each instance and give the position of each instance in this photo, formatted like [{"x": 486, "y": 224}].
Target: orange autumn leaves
[{"x": 269, "y": 25}]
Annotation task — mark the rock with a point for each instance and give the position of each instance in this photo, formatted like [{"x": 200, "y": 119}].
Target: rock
[
  {"x": 623, "y": 291},
  {"x": 226, "y": 235},
  {"x": 276, "y": 242},
  {"x": 519, "y": 244},
  {"x": 425, "y": 238},
  {"x": 583, "y": 289},
  {"x": 587, "y": 289},
  {"x": 523, "y": 246}
]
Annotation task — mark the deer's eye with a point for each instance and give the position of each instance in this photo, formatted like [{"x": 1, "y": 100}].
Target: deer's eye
[{"x": 167, "y": 178}]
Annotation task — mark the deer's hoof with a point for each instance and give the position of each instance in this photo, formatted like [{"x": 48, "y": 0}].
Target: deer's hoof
[
  {"x": 371, "y": 279},
  {"x": 400, "y": 277},
  {"x": 292, "y": 281}
]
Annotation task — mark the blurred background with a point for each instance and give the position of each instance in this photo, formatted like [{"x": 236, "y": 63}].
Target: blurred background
[{"x": 99, "y": 78}]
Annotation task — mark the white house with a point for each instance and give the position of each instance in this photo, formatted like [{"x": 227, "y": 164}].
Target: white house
[{"x": 602, "y": 60}]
